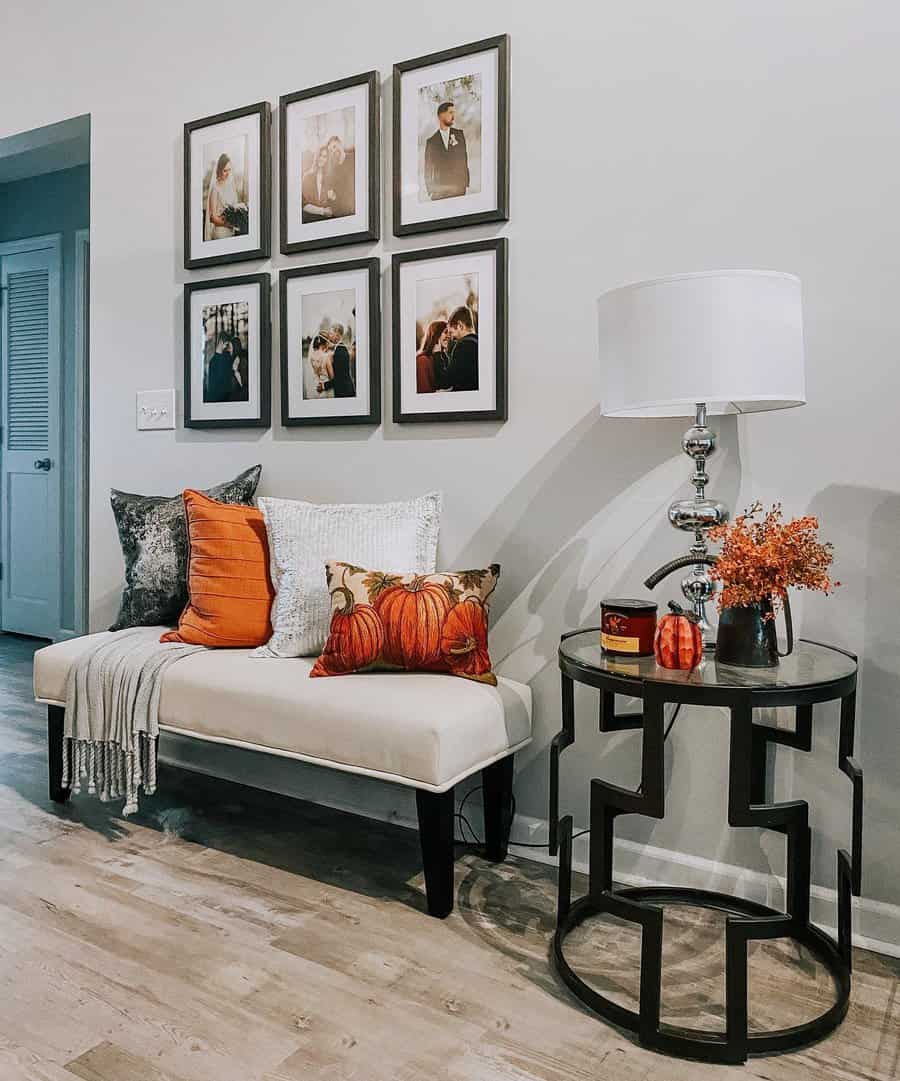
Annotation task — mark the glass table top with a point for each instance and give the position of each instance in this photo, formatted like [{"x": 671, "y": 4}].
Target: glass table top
[{"x": 808, "y": 665}]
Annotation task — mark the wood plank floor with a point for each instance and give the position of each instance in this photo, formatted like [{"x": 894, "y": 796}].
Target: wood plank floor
[{"x": 227, "y": 934}]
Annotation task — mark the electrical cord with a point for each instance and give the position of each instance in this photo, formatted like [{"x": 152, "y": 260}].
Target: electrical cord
[
  {"x": 477, "y": 843},
  {"x": 465, "y": 824},
  {"x": 528, "y": 844}
]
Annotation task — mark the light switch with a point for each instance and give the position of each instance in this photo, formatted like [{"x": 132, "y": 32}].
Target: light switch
[{"x": 155, "y": 409}]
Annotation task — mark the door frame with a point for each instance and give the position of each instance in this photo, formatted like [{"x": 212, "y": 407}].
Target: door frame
[
  {"x": 82, "y": 287},
  {"x": 52, "y": 242}
]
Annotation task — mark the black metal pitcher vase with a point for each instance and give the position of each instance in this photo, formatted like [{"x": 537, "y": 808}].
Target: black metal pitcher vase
[{"x": 746, "y": 635}]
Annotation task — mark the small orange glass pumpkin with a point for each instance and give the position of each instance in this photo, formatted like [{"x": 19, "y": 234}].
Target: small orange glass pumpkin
[{"x": 678, "y": 642}]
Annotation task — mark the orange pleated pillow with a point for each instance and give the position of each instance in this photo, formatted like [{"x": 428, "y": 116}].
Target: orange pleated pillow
[{"x": 229, "y": 588}]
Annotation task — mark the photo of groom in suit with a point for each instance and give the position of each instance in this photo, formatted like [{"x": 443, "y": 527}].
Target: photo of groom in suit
[
  {"x": 446, "y": 157},
  {"x": 462, "y": 372}
]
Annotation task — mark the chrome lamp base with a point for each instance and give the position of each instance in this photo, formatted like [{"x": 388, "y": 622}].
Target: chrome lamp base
[{"x": 697, "y": 516}]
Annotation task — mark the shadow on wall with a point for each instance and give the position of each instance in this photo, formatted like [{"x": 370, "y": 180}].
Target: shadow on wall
[
  {"x": 863, "y": 616},
  {"x": 588, "y": 521},
  {"x": 544, "y": 514}
]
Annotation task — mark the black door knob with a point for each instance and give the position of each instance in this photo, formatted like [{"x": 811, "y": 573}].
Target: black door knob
[{"x": 43, "y": 463}]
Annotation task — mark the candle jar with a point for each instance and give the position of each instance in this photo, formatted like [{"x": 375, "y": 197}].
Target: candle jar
[{"x": 627, "y": 627}]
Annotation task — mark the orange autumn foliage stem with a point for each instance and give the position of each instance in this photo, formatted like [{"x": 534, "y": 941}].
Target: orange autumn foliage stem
[{"x": 763, "y": 556}]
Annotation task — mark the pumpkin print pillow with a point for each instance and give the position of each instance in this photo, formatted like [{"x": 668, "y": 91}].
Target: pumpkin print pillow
[{"x": 416, "y": 622}]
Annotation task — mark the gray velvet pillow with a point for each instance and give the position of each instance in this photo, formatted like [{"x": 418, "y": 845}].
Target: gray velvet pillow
[{"x": 153, "y": 534}]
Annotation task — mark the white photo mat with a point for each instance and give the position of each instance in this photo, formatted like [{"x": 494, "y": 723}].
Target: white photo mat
[
  {"x": 484, "y": 264},
  {"x": 249, "y": 126},
  {"x": 358, "y": 98},
  {"x": 297, "y": 288},
  {"x": 199, "y": 299},
  {"x": 412, "y": 210}
]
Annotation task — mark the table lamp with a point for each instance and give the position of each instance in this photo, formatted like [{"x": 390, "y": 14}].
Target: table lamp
[{"x": 701, "y": 345}]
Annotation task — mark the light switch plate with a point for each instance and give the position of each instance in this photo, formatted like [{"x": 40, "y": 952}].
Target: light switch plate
[{"x": 155, "y": 409}]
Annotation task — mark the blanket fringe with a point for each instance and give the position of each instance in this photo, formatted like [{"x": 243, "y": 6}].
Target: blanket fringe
[{"x": 109, "y": 770}]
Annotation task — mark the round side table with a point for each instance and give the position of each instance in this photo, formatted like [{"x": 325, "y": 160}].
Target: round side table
[{"x": 812, "y": 673}]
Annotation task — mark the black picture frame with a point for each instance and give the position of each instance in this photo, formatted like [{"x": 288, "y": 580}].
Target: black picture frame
[
  {"x": 500, "y": 247},
  {"x": 264, "y": 418},
  {"x": 264, "y": 250},
  {"x": 372, "y": 233},
  {"x": 373, "y": 267},
  {"x": 501, "y": 212}
]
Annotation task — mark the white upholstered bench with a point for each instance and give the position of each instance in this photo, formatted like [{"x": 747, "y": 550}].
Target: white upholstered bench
[{"x": 428, "y": 732}]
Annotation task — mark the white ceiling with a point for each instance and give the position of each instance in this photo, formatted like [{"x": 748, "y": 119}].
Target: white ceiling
[{"x": 46, "y": 150}]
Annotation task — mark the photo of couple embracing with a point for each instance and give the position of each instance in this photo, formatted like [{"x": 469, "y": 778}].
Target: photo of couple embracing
[
  {"x": 448, "y": 357},
  {"x": 328, "y": 347},
  {"x": 328, "y": 188},
  {"x": 330, "y": 365}
]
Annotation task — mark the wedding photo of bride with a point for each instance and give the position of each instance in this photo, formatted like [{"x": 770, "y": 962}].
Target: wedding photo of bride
[{"x": 225, "y": 195}]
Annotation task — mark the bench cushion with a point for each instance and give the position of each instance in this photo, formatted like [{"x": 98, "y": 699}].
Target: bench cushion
[{"x": 419, "y": 729}]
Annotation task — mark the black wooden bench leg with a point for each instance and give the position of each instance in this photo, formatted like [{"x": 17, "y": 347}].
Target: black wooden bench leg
[
  {"x": 55, "y": 718},
  {"x": 436, "y": 811},
  {"x": 497, "y": 782}
]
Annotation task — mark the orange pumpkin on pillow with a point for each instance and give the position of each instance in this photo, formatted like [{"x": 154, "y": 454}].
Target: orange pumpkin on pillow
[
  {"x": 413, "y": 615},
  {"x": 464, "y": 644},
  {"x": 356, "y": 638}
]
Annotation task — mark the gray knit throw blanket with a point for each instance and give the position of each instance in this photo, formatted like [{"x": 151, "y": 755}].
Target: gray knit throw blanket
[{"x": 112, "y": 714}]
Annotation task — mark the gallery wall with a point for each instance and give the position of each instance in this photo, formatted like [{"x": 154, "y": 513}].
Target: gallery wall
[
  {"x": 57, "y": 202},
  {"x": 647, "y": 138}
]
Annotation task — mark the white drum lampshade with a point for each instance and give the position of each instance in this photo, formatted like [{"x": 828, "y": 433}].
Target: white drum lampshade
[
  {"x": 723, "y": 341},
  {"x": 730, "y": 338}
]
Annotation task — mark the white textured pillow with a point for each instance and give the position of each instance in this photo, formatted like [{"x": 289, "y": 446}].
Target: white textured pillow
[{"x": 399, "y": 537}]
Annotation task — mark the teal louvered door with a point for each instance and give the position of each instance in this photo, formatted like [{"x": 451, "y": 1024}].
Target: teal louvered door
[{"x": 30, "y": 523}]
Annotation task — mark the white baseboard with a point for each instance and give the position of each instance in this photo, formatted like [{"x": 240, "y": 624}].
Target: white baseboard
[{"x": 876, "y": 924}]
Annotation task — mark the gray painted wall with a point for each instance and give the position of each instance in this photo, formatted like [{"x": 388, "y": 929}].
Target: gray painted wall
[
  {"x": 647, "y": 139},
  {"x": 57, "y": 203}
]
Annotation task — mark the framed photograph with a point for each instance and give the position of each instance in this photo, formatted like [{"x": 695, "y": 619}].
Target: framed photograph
[
  {"x": 227, "y": 187},
  {"x": 228, "y": 353},
  {"x": 451, "y": 138},
  {"x": 330, "y": 164},
  {"x": 449, "y": 331},
  {"x": 331, "y": 343}
]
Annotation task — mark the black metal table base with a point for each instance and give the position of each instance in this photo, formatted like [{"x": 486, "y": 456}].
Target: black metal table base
[{"x": 746, "y": 920}]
